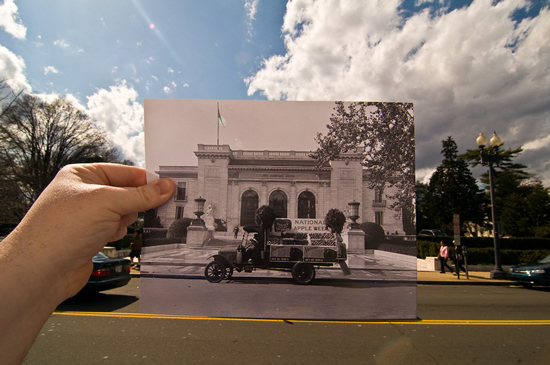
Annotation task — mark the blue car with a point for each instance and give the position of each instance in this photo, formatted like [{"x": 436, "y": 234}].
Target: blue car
[
  {"x": 532, "y": 274},
  {"x": 108, "y": 273}
]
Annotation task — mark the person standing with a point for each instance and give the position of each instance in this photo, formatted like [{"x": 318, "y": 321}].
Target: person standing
[
  {"x": 458, "y": 258},
  {"x": 443, "y": 256},
  {"x": 135, "y": 247}
]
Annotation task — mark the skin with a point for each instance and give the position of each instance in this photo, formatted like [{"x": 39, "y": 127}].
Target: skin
[{"x": 48, "y": 257}]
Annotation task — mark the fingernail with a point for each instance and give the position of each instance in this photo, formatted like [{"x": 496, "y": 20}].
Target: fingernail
[{"x": 163, "y": 186}]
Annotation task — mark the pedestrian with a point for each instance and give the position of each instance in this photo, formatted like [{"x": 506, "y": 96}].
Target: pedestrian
[
  {"x": 236, "y": 231},
  {"x": 84, "y": 207},
  {"x": 135, "y": 248},
  {"x": 443, "y": 256},
  {"x": 458, "y": 258}
]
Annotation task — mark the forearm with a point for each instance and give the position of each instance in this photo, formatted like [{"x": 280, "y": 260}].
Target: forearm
[{"x": 26, "y": 288}]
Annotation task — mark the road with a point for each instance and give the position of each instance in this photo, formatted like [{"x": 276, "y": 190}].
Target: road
[
  {"x": 456, "y": 325},
  {"x": 279, "y": 298}
]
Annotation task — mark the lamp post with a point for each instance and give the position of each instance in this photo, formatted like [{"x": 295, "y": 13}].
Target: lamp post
[
  {"x": 488, "y": 158},
  {"x": 354, "y": 214},
  {"x": 199, "y": 211}
]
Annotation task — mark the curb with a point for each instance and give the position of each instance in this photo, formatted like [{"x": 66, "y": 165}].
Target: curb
[{"x": 466, "y": 282}]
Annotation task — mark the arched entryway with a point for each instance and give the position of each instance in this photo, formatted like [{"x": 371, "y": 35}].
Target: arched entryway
[
  {"x": 249, "y": 205},
  {"x": 278, "y": 201},
  {"x": 306, "y": 205}
]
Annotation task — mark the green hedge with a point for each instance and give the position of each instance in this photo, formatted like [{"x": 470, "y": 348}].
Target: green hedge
[
  {"x": 485, "y": 255},
  {"x": 505, "y": 243}
]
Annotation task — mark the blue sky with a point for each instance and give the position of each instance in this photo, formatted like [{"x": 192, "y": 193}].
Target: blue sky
[{"x": 468, "y": 66}]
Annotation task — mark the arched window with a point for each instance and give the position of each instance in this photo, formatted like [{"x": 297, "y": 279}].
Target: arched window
[
  {"x": 306, "y": 205},
  {"x": 277, "y": 201},
  {"x": 249, "y": 204}
]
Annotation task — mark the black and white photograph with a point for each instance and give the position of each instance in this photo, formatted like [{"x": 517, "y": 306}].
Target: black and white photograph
[{"x": 282, "y": 209}]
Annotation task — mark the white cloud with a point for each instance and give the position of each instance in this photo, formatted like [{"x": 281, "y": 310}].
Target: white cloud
[
  {"x": 11, "y": 70},
  {"x": 251, "y": 7},
  {"x": 117, "y": 111},
  {"x": 167, "y": 90},
  {"x": 170, "y": 70},
  {"x": 9, "y": 20},
  {"x": 51, "y": 69},
  {"x": 467, "y": 71},
  {"x": 185, "y": 84},
  {"x": 61, "y": 43},
  {"x": 424, "y": 175}
]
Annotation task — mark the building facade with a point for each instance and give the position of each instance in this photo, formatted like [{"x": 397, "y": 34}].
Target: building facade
[{"x": 236, "y": 182}]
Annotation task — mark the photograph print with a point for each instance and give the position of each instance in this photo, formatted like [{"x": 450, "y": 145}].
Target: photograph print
[{"x": 282, "y": 210}]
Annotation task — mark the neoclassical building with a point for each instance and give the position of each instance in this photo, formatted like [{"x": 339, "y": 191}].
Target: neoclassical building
[{"x": 236, "y": 182}]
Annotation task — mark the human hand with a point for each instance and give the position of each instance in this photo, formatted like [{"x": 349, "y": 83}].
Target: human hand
[
  {"x": 48, "y": 257},
  {"x": 82, "y": 209}
]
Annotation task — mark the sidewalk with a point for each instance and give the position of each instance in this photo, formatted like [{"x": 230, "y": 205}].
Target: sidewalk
[{"x": 474, "y": 278}]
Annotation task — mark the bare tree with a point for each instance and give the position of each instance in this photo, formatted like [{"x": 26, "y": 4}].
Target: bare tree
[
  {"x": 38, "y": 138},
  {"x": 7, "y": 96}
]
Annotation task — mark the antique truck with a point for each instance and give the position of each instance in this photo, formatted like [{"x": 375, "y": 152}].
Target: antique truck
[{"x": 279, "y": 249}]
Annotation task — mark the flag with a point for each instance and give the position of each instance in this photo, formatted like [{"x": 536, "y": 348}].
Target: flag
[{"x": 220, "y": 119}]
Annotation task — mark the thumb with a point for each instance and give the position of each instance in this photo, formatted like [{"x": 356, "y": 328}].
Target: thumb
[{"x": 145, "y": 197}]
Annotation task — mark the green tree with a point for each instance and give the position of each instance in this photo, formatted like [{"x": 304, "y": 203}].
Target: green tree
[
  {"x": 423, "y": 218},
  {"x": 526, "y": 211},
  {"x": 513, "y": 189},
  {"x": 37, "y": 139},
  {"x": 453, "y": 190},
  {"x": 386, "y": 133}
]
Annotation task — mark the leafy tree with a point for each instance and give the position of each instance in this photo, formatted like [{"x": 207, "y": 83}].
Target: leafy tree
[
  {"x": 264, "y": 217},
  {"x": 522, "y": 203},
  {"x": 335, "y": 220},
  {"x": 423, "y": 217},
  {"x": 386, "y": 133},
  {"x": 526, "y": 212},
  {"x": 37, "y": 139},
  {"x": 453, "y": 190}
]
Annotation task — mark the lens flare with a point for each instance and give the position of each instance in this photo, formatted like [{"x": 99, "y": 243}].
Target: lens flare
[{"x": 151, "y": 26}]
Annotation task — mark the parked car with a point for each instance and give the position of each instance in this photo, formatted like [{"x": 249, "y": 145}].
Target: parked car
[
  {"x": 432, "y": 233},
  {"x": 108, "y": 273},
  {"x": 532, "y": 274}
]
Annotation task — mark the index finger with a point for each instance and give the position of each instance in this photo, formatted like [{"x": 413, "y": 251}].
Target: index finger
[{"x": 111, "y": 174}]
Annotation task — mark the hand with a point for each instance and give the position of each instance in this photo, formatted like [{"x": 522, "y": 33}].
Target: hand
[
  {"x": 48, "y": 257},
  {"x": 82, "y": 209}
]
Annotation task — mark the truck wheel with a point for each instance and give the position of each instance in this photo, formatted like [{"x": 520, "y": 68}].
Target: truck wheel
[
  {"x": 303, "y": 273},
  {"x": 228, "y": 272},
  {"x": 214, "y": 271}
]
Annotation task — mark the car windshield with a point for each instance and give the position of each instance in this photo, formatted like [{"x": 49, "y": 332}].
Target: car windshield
[
  {"x": 439, "y": 233},
  {"x": 100, "y": 256},
  {"x": 545, "y": 260}
]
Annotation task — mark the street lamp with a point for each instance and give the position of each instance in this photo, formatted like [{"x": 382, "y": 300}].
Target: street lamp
[{"x": 488, "y": 158}]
